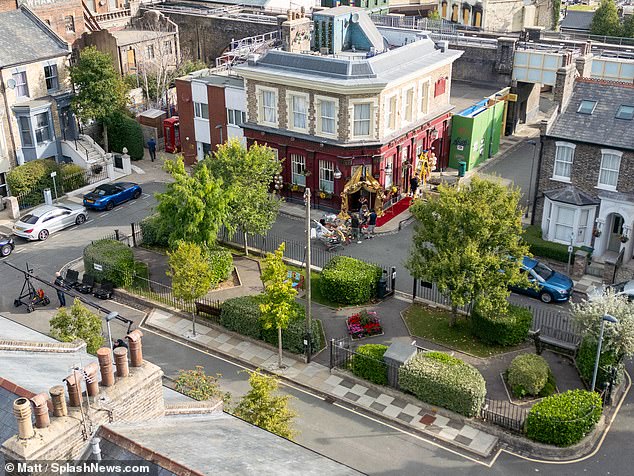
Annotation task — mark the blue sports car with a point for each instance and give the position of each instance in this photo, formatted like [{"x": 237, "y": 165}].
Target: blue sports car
[
  {"x": 106, "y": 196},
  {"x": 551, "y": 286}
]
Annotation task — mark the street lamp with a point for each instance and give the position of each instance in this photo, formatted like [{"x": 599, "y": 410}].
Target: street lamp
[
  {"x": 308, "y": 340},
  {"x": 530, "y": 184},
  {"x": 604, "y": 319}
]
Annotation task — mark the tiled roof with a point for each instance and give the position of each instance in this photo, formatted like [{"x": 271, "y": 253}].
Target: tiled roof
[
  {"x": 8, "y": 423},
  {"x": 572, "y": 196},
  {"x": 577, "y": 20}
]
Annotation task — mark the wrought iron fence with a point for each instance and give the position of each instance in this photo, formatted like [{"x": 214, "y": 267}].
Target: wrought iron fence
[
  {"x": 504, "y": 414},
  {"x": 429, "y": 292}
]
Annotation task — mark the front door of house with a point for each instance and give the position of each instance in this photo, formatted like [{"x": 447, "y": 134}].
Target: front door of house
[{"x": 616, "y": 230}]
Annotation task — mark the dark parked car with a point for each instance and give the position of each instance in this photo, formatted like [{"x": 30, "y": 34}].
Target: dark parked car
[
  {"x": 6, "y": 245},
  {"x": 106, "y": 196},
  {"x": 551, "y": 286}
]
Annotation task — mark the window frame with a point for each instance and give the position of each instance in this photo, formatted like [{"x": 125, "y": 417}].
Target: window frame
[
  {"x": 327, "y": 176},
  {"x": 563, "y": 145},
  {"x": 622, "y": 115},
  {"x": 39, "y": 128},
  {"x": 291, "y": 97},
  {"x": 424, "y": 87},
  {"x": 585, "y": 102},
  {"x": 261, "y": 115},
  {"x": 69, "y": 24},
  {"x": 408, "y": 106},
  {"x": 604, "y": 154},
  {"x": 370, "y": 120},
  {"x": 199, "y": 108},
  {"x": 23, "y": 83},
  {"x": 298, "y": 169},
  {"x": 391, "y": 108},
  {"x": 582, "y": 231},
  {"x": 52, "y": 77},
  {"x": 319, "y": 122}
]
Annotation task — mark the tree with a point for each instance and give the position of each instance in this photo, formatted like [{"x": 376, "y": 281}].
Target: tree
[
  {"x": 200, "y": 386},
  {"x": 191, "y": 274},
  {"x": 278, "y": 297},
  {"x": 434, "y": 15},
  {"x": 261, "y": 407},
  {"x": 468, "y": 242},
  {"x": 628, "y": 26},
  {"x": 194, "y": 206},
  {"x": 249, "y": 174},
  {"x": 78, "y": 323},
  {"x": 606, "y": 20},
  {"x": 100, "y": 90}
]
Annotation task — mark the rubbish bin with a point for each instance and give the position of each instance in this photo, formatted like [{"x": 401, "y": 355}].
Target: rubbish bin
[
  {"x": 48, "y": 198},
  {"x": 462, "y": 168},
  {"x": 381, "y": 289}
]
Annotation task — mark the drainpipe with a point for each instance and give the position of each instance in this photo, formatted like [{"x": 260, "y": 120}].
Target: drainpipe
[
  {"x": 3, "y": 87},
  {"x": 539, "y": 168}
]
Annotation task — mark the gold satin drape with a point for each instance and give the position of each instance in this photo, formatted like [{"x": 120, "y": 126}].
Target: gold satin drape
[{"x": 354, "y": 185}]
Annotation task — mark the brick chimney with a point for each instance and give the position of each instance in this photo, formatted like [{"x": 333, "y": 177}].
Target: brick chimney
[
  {"x": 564, "y": 83},
  {"x": 104, "y": 356},
  {"x": 136, "y": 347},
  {"x": 22, "y": 412},
  {"x": 121, "y": 361},
  {"x": 92, "y": 379},
  {"x": 59, "y": 401},
  {"x": 296, "y": 32},
  {"x": 40, "y": 404},
  {"x": 73, "y": 383}
]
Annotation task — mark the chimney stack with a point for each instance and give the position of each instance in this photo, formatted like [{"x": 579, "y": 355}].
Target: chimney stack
[
  {"x": 92, "y": 381},
  {"x": 136, "y": 347},
  {"x": 73, "y": 383},
  {"x": 59, "y": 401},
  {"x": 121, "y": 361},
  {"x": 22, "y": 412},
  {"x": 40, "y": 403},
  {"x": 105, "y": 364}
]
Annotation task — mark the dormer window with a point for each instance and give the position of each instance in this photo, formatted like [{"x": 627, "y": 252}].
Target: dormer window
[
  {"x": 587, "y": 107},
  {"x": 625, "y": 112}
]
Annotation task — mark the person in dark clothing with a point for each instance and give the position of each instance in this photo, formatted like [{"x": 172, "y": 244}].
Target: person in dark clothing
[
  {"x": 120, "y": 343},
  {"x": 413, "y": 185},
  {"x": 355, "y": 225},
  {"x": 371, "y": 224},
  {"x": 59, "y": 281},
  {"x": 151, "y": 146}
]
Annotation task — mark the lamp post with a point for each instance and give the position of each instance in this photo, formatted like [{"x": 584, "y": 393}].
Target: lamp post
[
  {"x": 604, "y": 319},
  {"x": 530, "y": 184},
  {"x": 308, "y": 341}
]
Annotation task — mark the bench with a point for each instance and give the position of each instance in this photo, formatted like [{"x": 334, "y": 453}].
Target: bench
[
  {"x": 562, "y": 341},
  {"x": 212, "y": 310},
  {"x": 296, "y": 278}
]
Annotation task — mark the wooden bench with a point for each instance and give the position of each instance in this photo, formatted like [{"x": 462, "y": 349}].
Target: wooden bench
[
  {"x": 296, "y": 278},
  {"x": 563, "y": 341},
  {"x": 202, "y": 307}
]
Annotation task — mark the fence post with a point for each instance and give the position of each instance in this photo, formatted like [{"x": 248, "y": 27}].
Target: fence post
[
  {"x": 414, "y": 290},
  {"x": 133, "y": 234},
  {"x": 332, "y": 357},
  {"x": 116, "y": 234}
]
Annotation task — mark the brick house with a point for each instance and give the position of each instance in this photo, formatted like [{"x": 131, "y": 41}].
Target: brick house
[
  {"x": 65, "y": 17},
  {"x": 352, "y": 103},
  {"x": 586, "y": 171}
]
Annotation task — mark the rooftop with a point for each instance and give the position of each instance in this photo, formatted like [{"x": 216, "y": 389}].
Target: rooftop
[
  {"x": 131, "y": 36},
  {"x": 577, "y": 20}
]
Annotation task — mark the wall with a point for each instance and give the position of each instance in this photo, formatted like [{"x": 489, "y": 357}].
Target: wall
[
  {"x": 504, "y": 15},
  {"x": 54, "y": 13},
  {"x": 235, "y": 99},
  {"x": 478, "y": 65},
  {"x": 186, "y": 120},
  {"x": 106, "y": 43}
]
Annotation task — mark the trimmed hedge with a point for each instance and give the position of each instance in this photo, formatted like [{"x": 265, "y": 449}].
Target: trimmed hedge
[
  {"x": 349, "y": 281},
  {"x": 153, "y": 233},
  {"x": 507, "y": 330},
  {"x": 73, "y": 177},
  {"x": 545, "y": 249},
  {"x": 565, "y": 418},
  {"x": 35, "y": 174},
  {"x": 123, "y": 131},
  {"x": 585, "y": 362},
  {"x": 368, "y": 363},
  {"x": 527, "y": 375},
  {"x": 221, "y": 264},
  {"x": 439, "y": 379},
  {"x": 115, "y": 258}
]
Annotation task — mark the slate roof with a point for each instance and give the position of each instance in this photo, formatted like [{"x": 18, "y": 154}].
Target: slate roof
[
  {"x": 575, "y": 20},
  {"x": 8, "y": 423},
  {"x": 571, "y": 195},
  {"x": 601, "y": 127},
  {"x": 29, "y": 39}
]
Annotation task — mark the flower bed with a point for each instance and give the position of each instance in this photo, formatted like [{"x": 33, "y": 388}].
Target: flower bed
[{"x": 364, "y": 324}]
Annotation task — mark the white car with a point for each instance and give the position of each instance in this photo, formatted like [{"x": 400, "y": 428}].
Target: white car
[
  {"x": 40, "y": 222},
  {"x": 621, "y": 289}
]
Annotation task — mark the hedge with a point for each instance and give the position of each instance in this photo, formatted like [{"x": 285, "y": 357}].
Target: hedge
[
  {"x": 221, "y": 264},
  {"x": 349, "y": 281},
  {"x": 33, "y": 175},
  {"x": 153, "y": 234},
  {"x": 439, "y": 379},
  {"x": 585, "y": 362},
  {"x": 368, "y": 364},
  {"x": 565, "y": 418},
  {"x": 123, "y": 131},
  {"x": 545, "y": 249},
  {"x": 507, "y": 330},
  {"x": 527, "y": 375},
  {"x": 115, "y": 258},
  {"x": 72, "y": 177}
]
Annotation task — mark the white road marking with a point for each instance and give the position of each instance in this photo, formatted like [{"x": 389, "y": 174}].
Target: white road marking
[{"x": 104, "y": 214}]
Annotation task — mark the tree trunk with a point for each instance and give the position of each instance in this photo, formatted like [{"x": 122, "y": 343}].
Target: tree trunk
[
  {"x": 105, "y": 137},
  {"x": 279, "y": 347},
  {"x": 454, "y": 315},
  {"x": 246, "y": 246},
  {"x": 194, "y": 323}
]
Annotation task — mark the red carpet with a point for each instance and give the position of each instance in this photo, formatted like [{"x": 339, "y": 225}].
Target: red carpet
[{"x": 394, "y": 211}]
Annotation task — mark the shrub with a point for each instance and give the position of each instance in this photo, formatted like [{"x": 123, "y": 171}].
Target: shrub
[
  {"x": 565, "y": 418},
  {"x": 34, "y": 176},
  {"x": 527, "y": 375},
  {"x": 221, "y": 263},
  {"x": 115, "y": 258},
  {"x": 293, "y": 336},
  {"x": 585, "y": 362},
  {"x": 123, "y": 131},
  {"x": 545, "y": 249},
  {"x": 439, "y": 379},
  {"x": 510, "y": 329},
  {"x": 349, "y": 280},
  {"x": 368, "y": 363},
  {"x": 72, "y": 177},
  {"x": 153, "y": 232}
]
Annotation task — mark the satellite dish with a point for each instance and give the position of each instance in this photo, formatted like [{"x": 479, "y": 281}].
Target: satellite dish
[
  {"x": 11, "y": 83},
  {"x": 355, "y": 18}
]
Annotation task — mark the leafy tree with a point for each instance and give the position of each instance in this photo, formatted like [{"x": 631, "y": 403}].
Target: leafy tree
[
  {"x": 628, "y": 26},
  {"x": 261, "y": 407},
  {"x": 78, "y": 323},
  {"x": 433, "y": 15},
  {"x": 278, "y": 297},
  {"x": 556, "y": 13},
  {"x": 194, "y": 206},
  {"x": 468, "y": 241},
  {"x": 248, "y": 174},
  {"x": 606, "y": 20},
  {"x": 191, "y": 274},
  {"x": 100, "y": 90},
  {"x": 198, "y": 385}
]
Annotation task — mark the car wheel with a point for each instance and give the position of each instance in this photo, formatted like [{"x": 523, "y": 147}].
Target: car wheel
[
  {"x": 109, "y": 205},
  {"x": 81, "y": 219},
  {"x": 137, "y": 194},
  {"x": 546, "y": 297},
  {"x": 43, "y": 235},
  {"x": 6, "y": 250}
]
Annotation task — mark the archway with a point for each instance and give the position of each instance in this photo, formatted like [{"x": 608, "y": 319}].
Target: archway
[{"x": 358, "y": 182}]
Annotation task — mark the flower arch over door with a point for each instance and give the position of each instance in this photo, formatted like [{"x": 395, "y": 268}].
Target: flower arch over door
[{"x": 355, "y": 184}]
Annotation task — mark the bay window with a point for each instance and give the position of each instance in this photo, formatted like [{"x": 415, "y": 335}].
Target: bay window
[{"x": 562, "y": 222}]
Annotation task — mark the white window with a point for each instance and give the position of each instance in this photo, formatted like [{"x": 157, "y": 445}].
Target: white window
[
  {"x": 50, "y": 75},
  {"x": 150, "y": 51},
  {"x": 298, "y": 169},
  {"x": 546, "y": 220},
  {"x": 328, "y": 121},
  {"x": 25, "y": 131},
  {"x": 236, "y": 117},
  {"x": 201, "y": 110},
  {"x": 409, "y": 105},
  {"x": 582, "y": 230},
  {"x": 299, "y": 112},
  {"x": 362, "y": 121},
  {"x": 424, "y": 97},
  {"x": 21, "y": 84},
  {"x": 391, "y": 113},
  {"x": 564, "y": 223},
  {"x": 42, "y": 128},
  {"x": 609, "y": 172},
  {"x": 268, "y": 110},
  {"x": 564, "y": 155},
  {"x": 326, "y": 176}
]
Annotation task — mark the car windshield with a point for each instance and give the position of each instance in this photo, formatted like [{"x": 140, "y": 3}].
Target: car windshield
[
  {"x": 102, "y": 191},
  {"x": 30, "y": 219},
  {"x": 543, "y": 271}
]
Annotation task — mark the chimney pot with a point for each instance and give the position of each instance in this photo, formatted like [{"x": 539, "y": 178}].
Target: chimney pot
[
  {"x": 105, "y": 365},
  {"x": 92, "y": 382},
  {"x": 22, "y": 412},
  {"x": 40, "y": 404},
  {"x": 136, "y": 347},
  {"x": 59, "y": 401},
  {"x": 121, "y": 361},
  {"x": 73, "y": 383}
]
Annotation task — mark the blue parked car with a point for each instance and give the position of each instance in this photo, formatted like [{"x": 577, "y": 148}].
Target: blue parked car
[
  {"x": 551, "y": 285},
  {"x": 106, "y": 196}
]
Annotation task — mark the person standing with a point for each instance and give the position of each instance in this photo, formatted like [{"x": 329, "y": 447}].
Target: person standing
[
  {"x": 413, "y": 185},
  {"x": 59, "y": 281},
  {"x": 371, "y": 224},
  {"x": 355, "y": 225},
  {"x": 151, "y": 146}
]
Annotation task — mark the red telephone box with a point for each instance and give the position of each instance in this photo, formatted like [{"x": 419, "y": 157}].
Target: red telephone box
[{"x": 171, "y": 133}]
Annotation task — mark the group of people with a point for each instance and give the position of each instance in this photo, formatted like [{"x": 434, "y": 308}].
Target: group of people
[{"x": 363, "y": 222}]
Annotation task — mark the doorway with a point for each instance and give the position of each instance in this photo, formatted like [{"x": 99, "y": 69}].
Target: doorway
[{"x": 616, "y": 230}]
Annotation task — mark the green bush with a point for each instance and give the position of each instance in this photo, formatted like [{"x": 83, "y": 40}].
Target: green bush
[
  {"x": 35, "y": 174},
  {"x": 153, "y": 232},
  {"x": 221, "y": 263},
  {"x": 439, "y": 379},
  {"x": 72, "y": 177},
  {"x": 510, "y": 329},
  {"x": 293, "y": 336},
  {"x": 349, "y": 281},
  {"x": 585, "y": 362},
  {"x": 545, "y": 249},
  {"x": 368, "y": 363},
  {"x": 115, "y": 258},
  {"x": 565, "y": 418},
  {"x": 527, "y": 375},
  {"x": 123, "y": 131}
]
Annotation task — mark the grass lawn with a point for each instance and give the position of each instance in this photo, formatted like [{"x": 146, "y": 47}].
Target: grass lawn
[
  {"x": 433, "y": 324},
  {"x": 582, "y": 8}
]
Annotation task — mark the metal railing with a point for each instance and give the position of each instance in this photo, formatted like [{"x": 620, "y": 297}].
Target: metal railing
[{"x": 504, "y": 414}]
